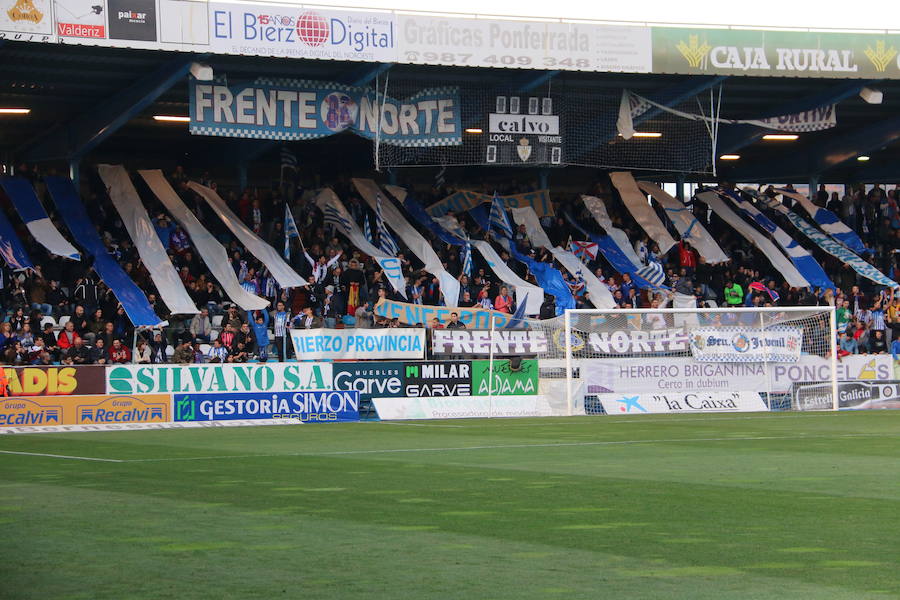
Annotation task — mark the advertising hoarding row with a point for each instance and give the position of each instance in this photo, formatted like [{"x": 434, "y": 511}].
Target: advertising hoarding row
[{"x": 388, "y": 37}]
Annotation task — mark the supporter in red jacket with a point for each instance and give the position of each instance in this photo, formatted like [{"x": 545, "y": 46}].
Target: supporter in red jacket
[
  {"x": 67, "y": 336},
  {"x": 119, "y": 353}
]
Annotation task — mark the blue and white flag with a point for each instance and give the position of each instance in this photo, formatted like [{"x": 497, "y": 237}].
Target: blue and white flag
[
  {"x": 499, "y": 218},
  {"x": 34, "y": 216},
  {"x": 288, "y": 159},
  {"x": 367, "y": 230},
  {"x": 385, "y": 240},
  {"x": 828, "y": 221},
  {"x": 290, "y": 231},
  {"x": 467, "y": 261},
  {"x": 440, "y": 179},
  {"x": 653, "y": 273}
]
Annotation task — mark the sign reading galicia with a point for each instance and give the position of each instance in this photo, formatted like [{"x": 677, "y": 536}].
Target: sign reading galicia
[{"x": 281, "y": 109}]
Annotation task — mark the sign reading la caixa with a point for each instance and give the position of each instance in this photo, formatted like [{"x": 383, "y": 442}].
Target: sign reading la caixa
[
  {"x": 182, "y": 379},
  {"x": 282, "y": 109}
]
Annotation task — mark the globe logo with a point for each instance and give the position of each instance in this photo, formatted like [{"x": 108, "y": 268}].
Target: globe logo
[
  {"x": 338, "y": 111},
  {"x": 312, "y": 29}
]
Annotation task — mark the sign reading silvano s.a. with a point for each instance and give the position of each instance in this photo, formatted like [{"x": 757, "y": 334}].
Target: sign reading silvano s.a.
[{"x": 253, "y": 377}]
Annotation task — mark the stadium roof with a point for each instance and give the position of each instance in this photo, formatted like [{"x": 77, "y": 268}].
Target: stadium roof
[{"x": 98, "y": 103}]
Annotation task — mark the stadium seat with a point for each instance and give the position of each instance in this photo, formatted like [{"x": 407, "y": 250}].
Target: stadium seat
[
  {"x": 48, "y": 319},
  {"x": 217, "y": 321},
  {"x": 213, "y": 335},
  {"x": 64, "y": 319},
  {"x": 204, "y": 348}
]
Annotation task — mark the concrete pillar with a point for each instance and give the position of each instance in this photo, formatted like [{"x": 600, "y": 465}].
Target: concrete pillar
[
  {"x": 544, "y": 179},
  {"x": 679, "y": 186},
  {"x": 242, "y": 176}
]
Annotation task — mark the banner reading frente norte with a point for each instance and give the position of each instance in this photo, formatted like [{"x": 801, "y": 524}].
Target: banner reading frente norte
[{"x": 467, "y": 200}]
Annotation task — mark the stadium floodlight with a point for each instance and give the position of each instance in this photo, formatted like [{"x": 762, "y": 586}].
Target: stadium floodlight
[
  {"x": 730, "y": 157},
  {"x": 475, "y": 130},
  {"x": 14, "y": 111},
  {"x": 201, "y": 72},
  {"x": 172, "y": 118},
  {"x": 862, "y": 158},
  {"x": 695, "y": 359},
  {"x": 645, "y": 134},
  {"x": 871, "y": 96},
  {"x": 782, "y": 137}
]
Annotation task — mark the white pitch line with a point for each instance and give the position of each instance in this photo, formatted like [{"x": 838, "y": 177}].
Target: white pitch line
[
  {"x": 513, "y": 422},
  {"x": 505, "y": 446},
  {"x": 113, "y": 460},
  {"x": 421, "y": 425}
]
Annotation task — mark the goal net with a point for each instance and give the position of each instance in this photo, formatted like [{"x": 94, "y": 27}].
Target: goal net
[{"x": 697, "y": 360}]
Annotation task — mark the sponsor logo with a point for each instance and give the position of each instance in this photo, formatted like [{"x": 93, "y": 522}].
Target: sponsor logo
[
  {"x": 24, "y": 411},
  {"x": 742, "y": 401},
  {"x": 523, "y": 150},
  {"x": 132, "y": 20},
  {"x": 323, "y": 406},
  {"x": 176, "y": 379},
  {"x": 124, "y": 409},
  {"x": 53, "y": 381},
  {"x": 502, "y": 342},
  {"x": 693, "y": 52},
  {"x": 354, "y": 33},
  {"x": 438, "y": 379},
  {"x": 504, "y": 379},
  {"x": 880, "y": 56},
  {"x": 25, "y": 10},
  {"x": 370, "y": 380},
  {"x": 80, "y": 30}
]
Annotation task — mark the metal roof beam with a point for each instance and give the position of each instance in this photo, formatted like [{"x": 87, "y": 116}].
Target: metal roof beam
[
  {"x": 827, "y": 156},
  {"x": 83, "y": 133},
  {"x": 365, "y": 74},
  {"x": 735, "y": 137},
  {"x": 533, "y": 81}
]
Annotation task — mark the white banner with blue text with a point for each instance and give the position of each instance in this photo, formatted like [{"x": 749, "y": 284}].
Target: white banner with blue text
[{"x": 358, "y": 344}]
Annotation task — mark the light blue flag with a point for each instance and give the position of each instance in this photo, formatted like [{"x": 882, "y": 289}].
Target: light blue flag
[
  {"x": 290, "y": 231},
  {"x": 367, "y": 230},
  {"x": 385, "y": 241},
  {"x": 499, "y": 218},
  {"x": 467, "y": 261}
]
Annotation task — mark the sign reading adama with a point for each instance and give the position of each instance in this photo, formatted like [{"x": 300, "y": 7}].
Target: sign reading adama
[{"x": 285, "y": 109}]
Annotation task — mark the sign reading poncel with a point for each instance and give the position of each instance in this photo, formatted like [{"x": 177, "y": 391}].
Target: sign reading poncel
[
  {"x": 623, "y": 404},
  {"x": 349, "y": 344}
]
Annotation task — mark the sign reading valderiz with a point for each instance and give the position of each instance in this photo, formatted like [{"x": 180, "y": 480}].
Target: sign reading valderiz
[{"x": 301, "y": 110}]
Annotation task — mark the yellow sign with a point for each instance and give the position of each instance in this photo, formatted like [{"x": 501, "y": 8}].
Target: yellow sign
[
  {"x": 881, "y": 56},
  {"x": 85, "y": 410},
  {"x": 25, "y": 10}
]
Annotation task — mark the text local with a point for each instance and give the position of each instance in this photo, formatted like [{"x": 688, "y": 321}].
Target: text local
[{"x": 296, "y": 109}]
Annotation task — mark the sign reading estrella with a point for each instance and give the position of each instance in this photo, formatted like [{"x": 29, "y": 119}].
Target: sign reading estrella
[{"x": 287, "y": 109}]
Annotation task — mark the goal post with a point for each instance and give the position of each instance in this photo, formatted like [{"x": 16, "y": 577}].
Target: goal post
[{"x": 699, "y": 359}]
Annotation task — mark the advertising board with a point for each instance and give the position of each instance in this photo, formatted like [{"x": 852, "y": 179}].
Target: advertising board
[
  {"x": 478, "y": 342},
  {"x": 504, "y": 377},
  {"x": 218, "y": 378},
  {"x": 55, "y": 381},
  {"x": 309, "y": 407},
  {"x": 461, "y": 407},
  {"x": 690, "y": 402},
  {"x": 359, "y": 344},
  {"x": 437, "y": 379},
  {"x": 85, "y": 410}
]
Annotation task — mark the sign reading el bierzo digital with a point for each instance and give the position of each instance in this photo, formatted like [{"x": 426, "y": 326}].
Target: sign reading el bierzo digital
[{"x": 300, "y": 33}]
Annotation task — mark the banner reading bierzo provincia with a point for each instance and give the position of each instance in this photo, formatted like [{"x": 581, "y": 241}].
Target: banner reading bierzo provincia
[
  {"x": 358, "y": 344},
  {"x": 287, "y": 109}
]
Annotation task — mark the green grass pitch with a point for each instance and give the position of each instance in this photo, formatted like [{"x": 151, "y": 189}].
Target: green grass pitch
[{"x": 795, "y": 505}]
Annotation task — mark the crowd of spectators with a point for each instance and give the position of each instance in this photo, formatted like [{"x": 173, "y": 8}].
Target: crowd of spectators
[{"x": 62, "y": 313}]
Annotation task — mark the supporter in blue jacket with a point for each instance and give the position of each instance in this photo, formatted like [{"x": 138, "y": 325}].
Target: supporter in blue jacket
[{"x": 261, "y": 333}]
